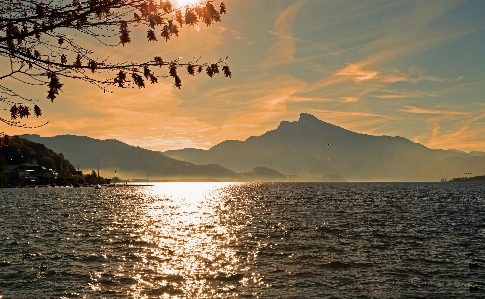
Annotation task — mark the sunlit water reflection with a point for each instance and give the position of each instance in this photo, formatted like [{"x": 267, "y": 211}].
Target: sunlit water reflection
[{"x": 226, "y": 240}]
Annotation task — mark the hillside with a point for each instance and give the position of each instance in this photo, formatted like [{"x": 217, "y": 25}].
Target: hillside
[
  {"x": 135, "y": 162},
  {"x": 21, "y": 150},
  {"x": 128, "y": 161}
]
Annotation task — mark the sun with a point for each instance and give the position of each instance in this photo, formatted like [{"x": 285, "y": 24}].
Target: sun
[{"x": 186, "y": 2}]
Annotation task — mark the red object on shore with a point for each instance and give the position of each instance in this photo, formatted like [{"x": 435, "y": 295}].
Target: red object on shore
[{"x": 66, "y": 215}]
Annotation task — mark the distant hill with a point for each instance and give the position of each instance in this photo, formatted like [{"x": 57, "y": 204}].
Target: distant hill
[
  {"x": 135, "y": 162},
  {"x": 313, "y": 148},
  {"x": 128, "y": 161},
  {"x": 21, "y": 150}
]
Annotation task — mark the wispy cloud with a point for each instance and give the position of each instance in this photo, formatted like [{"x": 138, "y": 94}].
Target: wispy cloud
[
  {"x": 356, "y": 73},
  {"x": 417, "y": 110},
  {"x": 283, "y": 50},
  {"x": 350, "y": 99},
  {"x": 404, "y": 94}
]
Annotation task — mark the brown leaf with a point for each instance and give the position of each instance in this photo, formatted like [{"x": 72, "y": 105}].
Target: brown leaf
[
  {"x": 209, "y": 71},
  {"x": 24, "y": 111},
  {"x": 190, "y": 17},
  {"x": 173, "y": 70},
  {"x": 146, "y": 71},
  {"x": 151, "y": 35},
  {"x": 158, "y": 60},
  {"x": 227, "y": 71},
  {"x": 93, "y": 65},
  {"x": 165, "y": 33},
  {"x": 178, "y": 17},
  {"x": 138, "y": 80},
  {"x": 191, "y": 70},
  {"x": 14, "y": 112},
  {"x": 78, "y": 63},
  {"x": 173, "y": 28},
  {"x": 40, "y": 11},
  {"x": 136, "y": 17},
  {"x": 124, "y": 33},
  {"x": 153, "y": 79},
  {"x": 37, "y": 111},
  {"x": 178, "y": 82},
  {"x": 120, "y": 78},
  {"x": 54, "y": 86}
]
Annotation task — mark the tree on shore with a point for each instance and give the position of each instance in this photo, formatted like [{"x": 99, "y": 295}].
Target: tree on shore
[{"x": 41, "y": 45}]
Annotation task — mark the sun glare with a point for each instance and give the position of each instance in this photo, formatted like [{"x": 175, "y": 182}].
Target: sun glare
[{"x": 186, "y": 2}]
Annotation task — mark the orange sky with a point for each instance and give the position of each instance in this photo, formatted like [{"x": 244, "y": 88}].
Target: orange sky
[{"x": 405, "y": 68}]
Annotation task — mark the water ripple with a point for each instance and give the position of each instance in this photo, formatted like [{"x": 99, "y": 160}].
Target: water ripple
[{"x": 226, "y": 240}]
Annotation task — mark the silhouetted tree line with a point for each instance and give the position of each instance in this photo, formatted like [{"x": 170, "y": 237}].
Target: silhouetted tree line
[{"x": 21, "y": 150}]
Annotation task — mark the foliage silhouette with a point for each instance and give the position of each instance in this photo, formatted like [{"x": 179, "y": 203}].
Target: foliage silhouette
[{"x": 40, "y": 44}]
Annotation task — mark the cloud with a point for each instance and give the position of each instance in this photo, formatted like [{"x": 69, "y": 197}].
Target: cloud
[
  {"x": 350, "y": 99},
  {"x": 417, "y": 110},
  {"x": 356, "y": 73},
  {"x": 283, "y": 50},
  {"x": 405, "y": 94},
  {"x": 466, "y": 134}
]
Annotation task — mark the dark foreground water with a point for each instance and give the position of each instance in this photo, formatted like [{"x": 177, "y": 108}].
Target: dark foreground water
[{"x": 223, "y": 240}]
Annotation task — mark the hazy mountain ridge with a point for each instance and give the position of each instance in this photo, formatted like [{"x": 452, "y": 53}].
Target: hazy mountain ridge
[
  {"x": 307, "y": 149},
  {"x": 135, "y": 162},
  {"x": 311, "y": 147}
]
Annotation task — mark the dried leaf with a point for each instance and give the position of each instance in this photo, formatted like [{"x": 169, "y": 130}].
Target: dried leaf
[
  {"x": 146, "y": 71},
  {"x": 151, "y": 36},
  {"x": 24, "y": 111},
  {"x": 209, "y": 71},
  {"x": 138, "y": 80},
  {"x": 178, "y": 82},
  {"x": 173, "y": 28},
  {"x": 124, "y": 33},
  {"x": 191, "y": 70},
  {"x": 173, "y": 70},
  {"x": 190, "y": 17},
  {"x": 93, "y": 65},
  {"x": 153, "y": 79},
  {"x": 165, "y": 33},
  {"x": 158, "y": 60},
  {"x": 37, "y": 111},
  {"x": 178, "y": 17},
  {"x": 14, "y": 112},
  {"x": 78, "y": 63},
  {"x": 120, "y": 79},
  {"x": 227, "y": 71},
  {"x": 222, "y": 9},
  {"x": 40, "y": 11},
  {"x": 54, "y": 86}
]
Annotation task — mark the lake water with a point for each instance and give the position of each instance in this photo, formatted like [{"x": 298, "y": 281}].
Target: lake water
[{"x": 246, "y": 240}]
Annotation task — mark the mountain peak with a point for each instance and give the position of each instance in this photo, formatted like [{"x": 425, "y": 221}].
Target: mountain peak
[{"x": 306, "y": 118}]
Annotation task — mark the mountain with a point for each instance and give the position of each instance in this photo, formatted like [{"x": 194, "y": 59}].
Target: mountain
[
  {"x": 128, "y": 161},
  {"x": 305, "y": 150},
  {"x": 135, "y": 162},
  {"x": 313, "y": 148}
]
